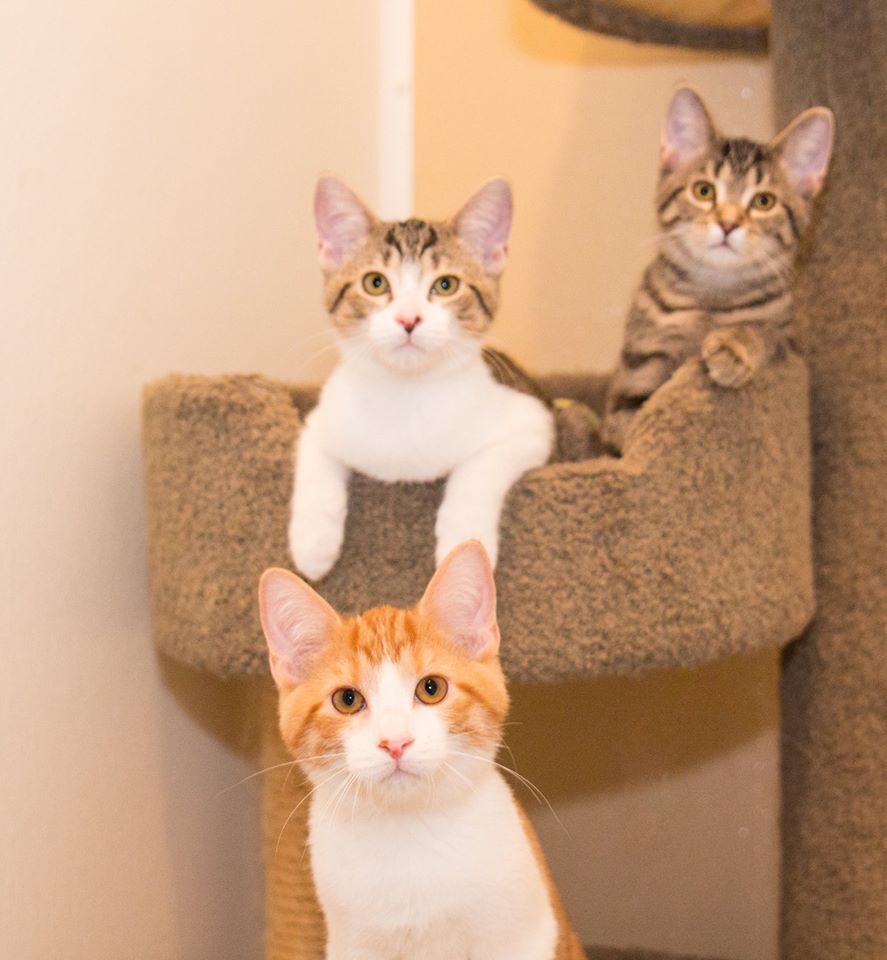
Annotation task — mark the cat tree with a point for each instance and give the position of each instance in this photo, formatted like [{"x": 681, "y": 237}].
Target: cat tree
[
  {"x": 695, "y": 546},
  {"x": 834, "y": 678}
]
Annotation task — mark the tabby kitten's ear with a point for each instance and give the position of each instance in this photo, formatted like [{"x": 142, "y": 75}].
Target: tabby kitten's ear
[
  {"x": 484, "y": 221},
  {"x": 343, "y": 221},
  {"x": 461, "y": 600},
  {"x": 804, "y": 148},
  {"x": 297, "y": 623},
  {"x": 688, "y": 129}
]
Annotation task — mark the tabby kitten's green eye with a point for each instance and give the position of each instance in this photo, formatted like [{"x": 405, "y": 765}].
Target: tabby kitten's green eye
[
  {"x": 348, "y": 700},
  {"x": 445, "y": 286},
  {"x": 431, "y": 689},
  {"x": 704, "y": 191},
  {"x": 375, "y": 284},
  {"x": 763, "y": 201}
]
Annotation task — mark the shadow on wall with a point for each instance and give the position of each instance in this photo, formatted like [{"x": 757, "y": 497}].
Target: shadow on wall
[
  {"x": 638, "y": 730},
  {"x": 213, "y": 820}
]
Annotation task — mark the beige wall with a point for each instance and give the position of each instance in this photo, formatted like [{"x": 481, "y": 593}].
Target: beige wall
[
  {"x": 155, "y": 185},
  {"x": 668, "y": 786}
]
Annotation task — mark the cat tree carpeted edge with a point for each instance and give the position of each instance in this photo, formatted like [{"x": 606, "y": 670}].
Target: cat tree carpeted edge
[{"x": 693, "y": 547}]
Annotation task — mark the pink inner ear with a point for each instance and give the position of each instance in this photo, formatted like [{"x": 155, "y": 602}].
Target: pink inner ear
[
  {"x": 342, "y": 221},
  {"x": 806, "y": 150},
  {"x": 485, "y": 222},
  {"x": 687, "y": 129},
  {"x": 297, "y": 624},
  {"x": 461, "y": 600}
]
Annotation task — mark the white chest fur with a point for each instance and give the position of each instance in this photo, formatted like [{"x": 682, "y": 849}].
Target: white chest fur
[
  {"x": 457, "y": 883},
  {"x": 454, "y": 420},
  {"x": 418, "y": 428}
]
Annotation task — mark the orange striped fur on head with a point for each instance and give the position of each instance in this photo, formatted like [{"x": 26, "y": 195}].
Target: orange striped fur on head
[{"x": 380, "y": 658}]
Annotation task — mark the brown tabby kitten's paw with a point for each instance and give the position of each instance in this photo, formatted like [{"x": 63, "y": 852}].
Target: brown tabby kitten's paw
[
  {"x": 732, "y": 356},
  {"x": 578, "y": 432}
]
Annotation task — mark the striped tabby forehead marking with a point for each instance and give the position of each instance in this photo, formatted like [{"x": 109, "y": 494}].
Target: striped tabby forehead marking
[
  {"x": 741, "y": 156},
  {"x": 411, "y": 239}
]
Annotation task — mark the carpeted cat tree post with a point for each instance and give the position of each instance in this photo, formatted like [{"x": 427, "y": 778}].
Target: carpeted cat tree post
[
  {"x": 834, "y": 679},
  {"x": 696, "y": 546}
]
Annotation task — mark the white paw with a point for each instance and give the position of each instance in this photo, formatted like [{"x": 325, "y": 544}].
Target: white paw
[
  {"x": 315, "y": 541},
  {"x": 450, "y": 535}
]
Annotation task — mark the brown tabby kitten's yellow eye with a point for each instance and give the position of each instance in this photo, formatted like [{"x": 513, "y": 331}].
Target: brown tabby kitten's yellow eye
[
  {"x": 763, "y": 201},
  {"x": 431, "y": 689},
  {"x": 348, "y": 700},
  {"x": 445, "y": 286},
  {"x": 375, "y": 284},
  {"x": 704, "y": 191}
]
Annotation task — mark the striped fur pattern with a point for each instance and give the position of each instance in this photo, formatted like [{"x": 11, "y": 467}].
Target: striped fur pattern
[
  {"x": 414, "y": 397},
  {"x": 731, "y": 212},
  {"x": 418, "y": 848}
]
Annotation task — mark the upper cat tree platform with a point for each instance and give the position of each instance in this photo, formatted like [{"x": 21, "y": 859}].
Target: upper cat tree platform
[
  {"x": 694, "y": 546},
  {"x": 739, "y": 25}
]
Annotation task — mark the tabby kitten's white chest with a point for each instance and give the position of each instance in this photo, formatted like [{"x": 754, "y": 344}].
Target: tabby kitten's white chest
[{"x": 421, "y": 428}]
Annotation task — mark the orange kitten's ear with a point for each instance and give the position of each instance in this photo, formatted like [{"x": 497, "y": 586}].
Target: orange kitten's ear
[
  {"x": 297, "y": 624},
  {"x": 805, "y": 149},
  {"x": 342, "y": 221},
  {"x": 485, "y": 221},
  {"x": 461, "y": 600},
  {"x": 688, "y": 129}
]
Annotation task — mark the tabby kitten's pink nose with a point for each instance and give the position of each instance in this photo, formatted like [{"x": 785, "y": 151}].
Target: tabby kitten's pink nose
[
  {"x": 395, "y": 747},
  {"x": 727, "y": 226},
  {"x": 409, "y": 323}
]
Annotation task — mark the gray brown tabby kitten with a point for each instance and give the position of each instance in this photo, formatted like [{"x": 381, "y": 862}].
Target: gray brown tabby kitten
[{"x": 731, "y": 213}]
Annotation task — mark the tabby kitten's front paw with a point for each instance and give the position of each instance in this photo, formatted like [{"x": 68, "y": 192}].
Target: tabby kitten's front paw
[
  {"x": 315, "y": 541},
  {"x": 731, "y": 358}
]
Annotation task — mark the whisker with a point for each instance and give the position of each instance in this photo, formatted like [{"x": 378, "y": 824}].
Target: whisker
[
  {"x": 538, "y": 795},
  {"x": 292, "y": 812}
]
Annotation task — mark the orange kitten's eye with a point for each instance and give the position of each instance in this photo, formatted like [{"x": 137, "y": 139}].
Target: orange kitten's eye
[
  {"x": 763, "y": 201},
  {"x": 445, "y": 286},
  {"x": 431, "y": 689},
  {"x": 375, "y": 283},
  {"x": 348, "y": 700},
  {"x": 704, "y": 191}
]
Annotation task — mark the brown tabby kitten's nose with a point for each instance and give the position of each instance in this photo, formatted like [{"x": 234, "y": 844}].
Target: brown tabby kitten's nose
[
  {"x": 409, "y": 323},
  {"x": 727, "y": 226},
  {"x": 395, "y": 747}
]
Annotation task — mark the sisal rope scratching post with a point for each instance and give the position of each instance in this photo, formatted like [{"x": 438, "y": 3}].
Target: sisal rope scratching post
[{"x": 294, "y": 925}]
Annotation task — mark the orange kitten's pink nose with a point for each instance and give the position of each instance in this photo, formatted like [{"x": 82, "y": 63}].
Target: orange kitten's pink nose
[
  {"x": 409, "y": 323},
  {"x": 727, "y": 226},
  {"x": 395, "y": 747}
]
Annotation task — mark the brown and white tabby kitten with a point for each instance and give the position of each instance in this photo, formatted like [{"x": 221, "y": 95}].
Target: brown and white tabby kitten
[
  {"x": 415, "y": 397},
  {"x": 418, "y": 848},
  {"x": 731, "y": 212}
]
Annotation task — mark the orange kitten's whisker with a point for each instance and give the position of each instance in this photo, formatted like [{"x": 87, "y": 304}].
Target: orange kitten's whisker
[
  {"x": 292, "y": 812},
  {"x": 538, "y": 795},
  {"x": 258, "y": 773}
]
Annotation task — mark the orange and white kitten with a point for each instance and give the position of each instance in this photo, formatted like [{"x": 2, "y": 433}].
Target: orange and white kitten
[{"x": 418, "y": 847}]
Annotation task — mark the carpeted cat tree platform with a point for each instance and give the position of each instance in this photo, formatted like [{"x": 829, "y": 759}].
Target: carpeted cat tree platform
[
  {"x": 694, "y": 546},
  {"x": 697, "y": 545}
]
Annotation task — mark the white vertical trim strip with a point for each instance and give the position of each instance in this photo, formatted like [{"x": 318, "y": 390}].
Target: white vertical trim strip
[{"x": 395, "y": 154}]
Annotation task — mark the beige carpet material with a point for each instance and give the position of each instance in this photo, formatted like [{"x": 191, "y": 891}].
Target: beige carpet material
[{"x": 693, "y": 547}]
